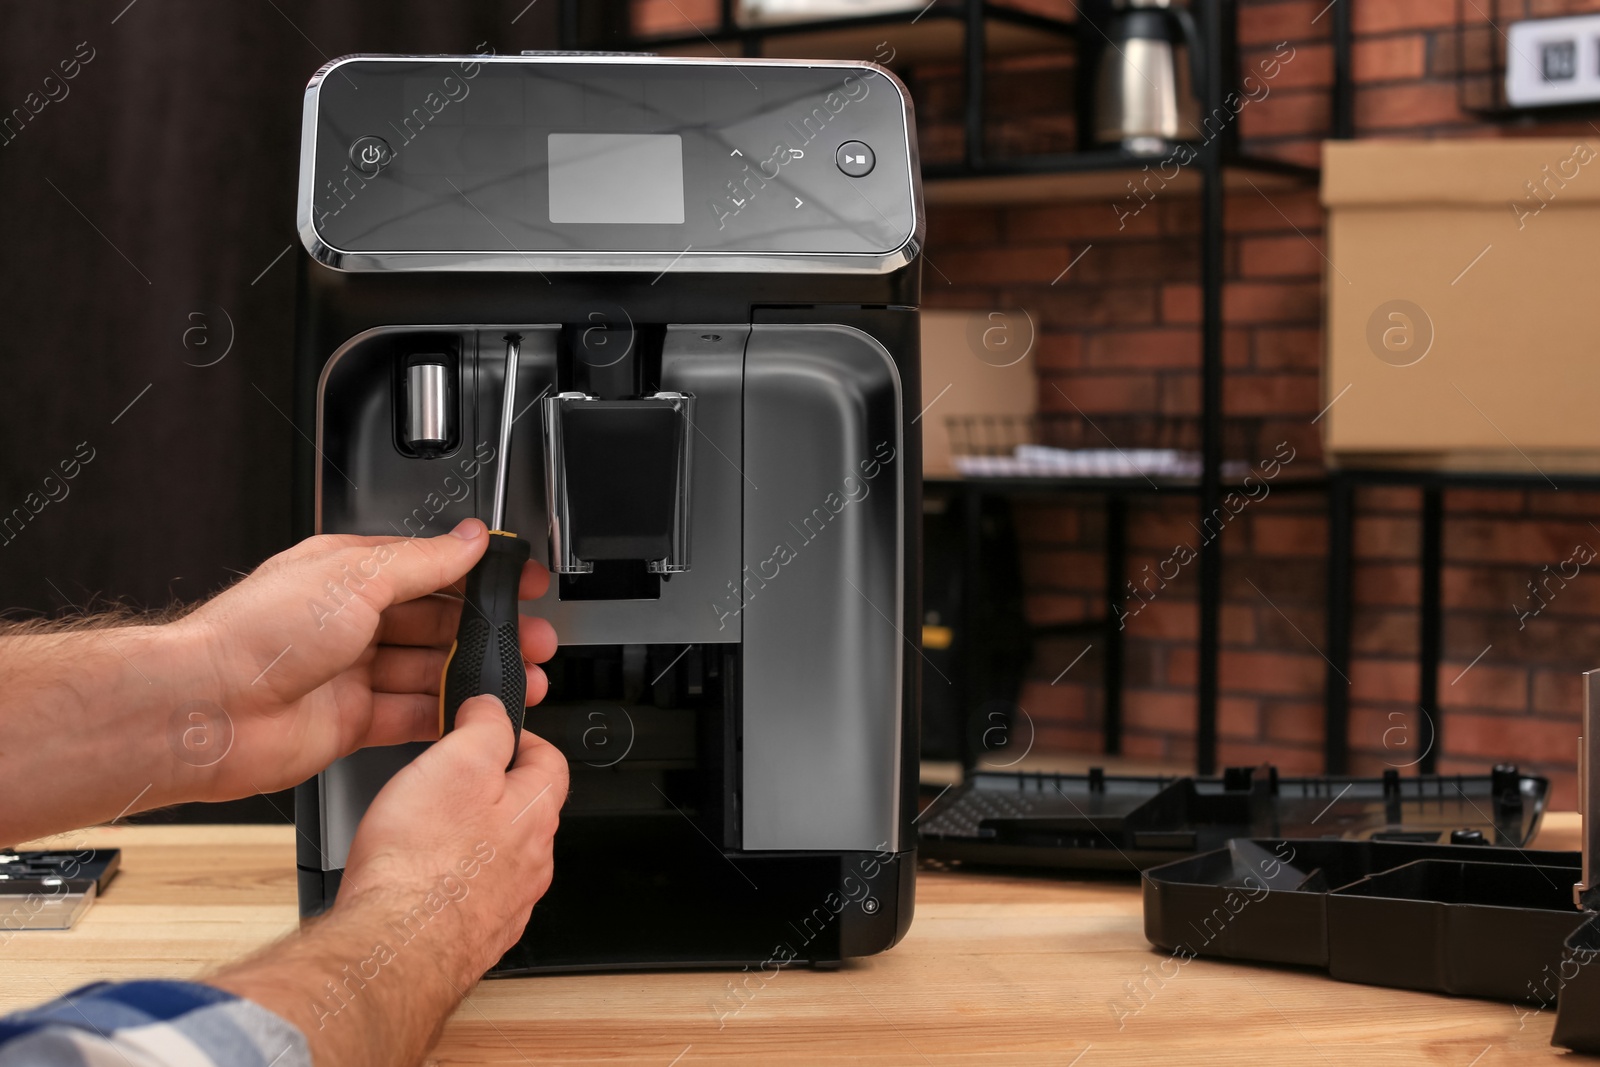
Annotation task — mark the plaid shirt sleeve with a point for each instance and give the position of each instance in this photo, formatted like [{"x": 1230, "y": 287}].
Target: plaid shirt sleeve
[{"x": 150, "y": 1024}]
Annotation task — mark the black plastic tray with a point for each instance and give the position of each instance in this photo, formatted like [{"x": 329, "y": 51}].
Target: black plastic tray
[
  {"x": 1574, "y": 984},
  {"x": 1468, "y": 920},
  {"x": 1101, "y": 821}
]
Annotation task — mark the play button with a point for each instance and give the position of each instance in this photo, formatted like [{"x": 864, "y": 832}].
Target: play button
[{"x": 856, "y": 159}]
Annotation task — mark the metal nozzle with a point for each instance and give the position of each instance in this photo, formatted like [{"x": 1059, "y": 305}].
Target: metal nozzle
[{"x": 428, "y": 428}]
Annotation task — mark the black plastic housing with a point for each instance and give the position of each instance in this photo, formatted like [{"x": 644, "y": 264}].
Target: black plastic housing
[{"x": 653, "y": 875}]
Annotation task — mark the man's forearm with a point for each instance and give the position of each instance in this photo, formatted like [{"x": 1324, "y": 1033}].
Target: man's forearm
[
  {"x": 88, "y": 727},
  {"x": 361, "y": 992}
]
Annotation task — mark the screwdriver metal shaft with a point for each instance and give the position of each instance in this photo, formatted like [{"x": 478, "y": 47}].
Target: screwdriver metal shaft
[{"x": 508, "y": 405}]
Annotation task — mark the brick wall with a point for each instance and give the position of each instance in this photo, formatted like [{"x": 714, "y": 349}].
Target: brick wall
[{"x": 1119, "y": 337}]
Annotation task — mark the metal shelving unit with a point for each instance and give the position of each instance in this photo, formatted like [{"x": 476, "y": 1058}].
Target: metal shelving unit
[
  {"x": 1480, "y": 55},
  {"x": 1481, "y": 44},
  {"x": 936, "y": 27},
  {"x": 975, "y": 30},
  {"x": 1115, "y": 495},
  {"x": 1342, "y": 484}
]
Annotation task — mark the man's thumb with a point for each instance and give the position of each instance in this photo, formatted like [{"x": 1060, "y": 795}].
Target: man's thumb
[
  {"x": 423, "y": 565},
  {"x": 483, "y": 725}
]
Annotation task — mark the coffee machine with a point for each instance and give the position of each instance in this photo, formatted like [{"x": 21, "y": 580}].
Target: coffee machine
[{"x": 710, "y": 272}]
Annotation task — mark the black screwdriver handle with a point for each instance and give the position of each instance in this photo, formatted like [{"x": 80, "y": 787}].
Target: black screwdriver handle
[{"x": 487, "y": 656}]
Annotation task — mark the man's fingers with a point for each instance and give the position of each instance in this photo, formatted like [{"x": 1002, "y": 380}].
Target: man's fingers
[
  {"x": 401, "y": 569},
  {"x": 540, "y": 773},
  {"x": 428, "y": 621},
  {"x": 432, "y": 621},
  {"x": 537, "y": 638},
  {"x": 398, "y": 669},
  {"x": 534, "y": 750},
  {"x": 535, "y": 581},
  {"x": 401, "y": 717},
  {"x": 483, "y": 730}
]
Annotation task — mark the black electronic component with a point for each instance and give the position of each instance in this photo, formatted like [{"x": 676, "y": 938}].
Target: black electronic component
[{"x": 59, "y": 871}]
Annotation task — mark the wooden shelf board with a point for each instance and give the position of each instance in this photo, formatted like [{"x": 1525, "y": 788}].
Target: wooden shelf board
[{"x": 1108, "y": 185}]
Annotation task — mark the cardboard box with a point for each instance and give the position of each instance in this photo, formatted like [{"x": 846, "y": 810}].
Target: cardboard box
[
  {"x": 1463, "y": 304},
  {"x": 973, "y": 363}
]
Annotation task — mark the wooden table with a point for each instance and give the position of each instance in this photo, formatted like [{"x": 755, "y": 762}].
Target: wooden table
[{"x": 995, "y": 971}]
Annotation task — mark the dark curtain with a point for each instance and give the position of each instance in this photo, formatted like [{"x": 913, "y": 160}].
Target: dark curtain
[{"x": 147, "y": 266}]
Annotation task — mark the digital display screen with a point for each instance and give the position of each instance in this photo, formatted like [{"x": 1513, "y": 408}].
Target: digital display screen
[{"x": 616, "y": 177}]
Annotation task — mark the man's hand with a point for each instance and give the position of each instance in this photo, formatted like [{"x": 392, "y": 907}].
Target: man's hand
[
  {"x": 339, "y": 644},
  {"x": 443, "y": 873},
  {"x": 336, "y": 644},
  {"x": 453, "y": 805}
]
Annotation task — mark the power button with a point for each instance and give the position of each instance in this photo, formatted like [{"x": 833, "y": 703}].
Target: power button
[{"x": 369, "y": 155}]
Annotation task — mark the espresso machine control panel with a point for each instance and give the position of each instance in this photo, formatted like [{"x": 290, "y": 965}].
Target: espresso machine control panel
[{"x": 621, "y": 164}]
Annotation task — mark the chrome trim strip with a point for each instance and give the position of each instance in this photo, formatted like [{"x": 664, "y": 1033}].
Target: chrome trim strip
[
  {"x": 588, "y": 261},
  {"x": 557, "y": 508},
  {"x": 309, "y": 238}
]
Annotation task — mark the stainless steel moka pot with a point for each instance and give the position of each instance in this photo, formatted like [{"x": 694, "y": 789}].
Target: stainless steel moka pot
[{"x": 1142, "y": 101}]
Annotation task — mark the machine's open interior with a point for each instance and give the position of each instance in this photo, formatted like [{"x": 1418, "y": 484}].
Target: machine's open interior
[{"x": 632, "y": 475}]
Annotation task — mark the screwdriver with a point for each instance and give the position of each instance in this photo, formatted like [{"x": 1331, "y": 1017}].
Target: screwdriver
[{"x": 487, "y": 656}]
